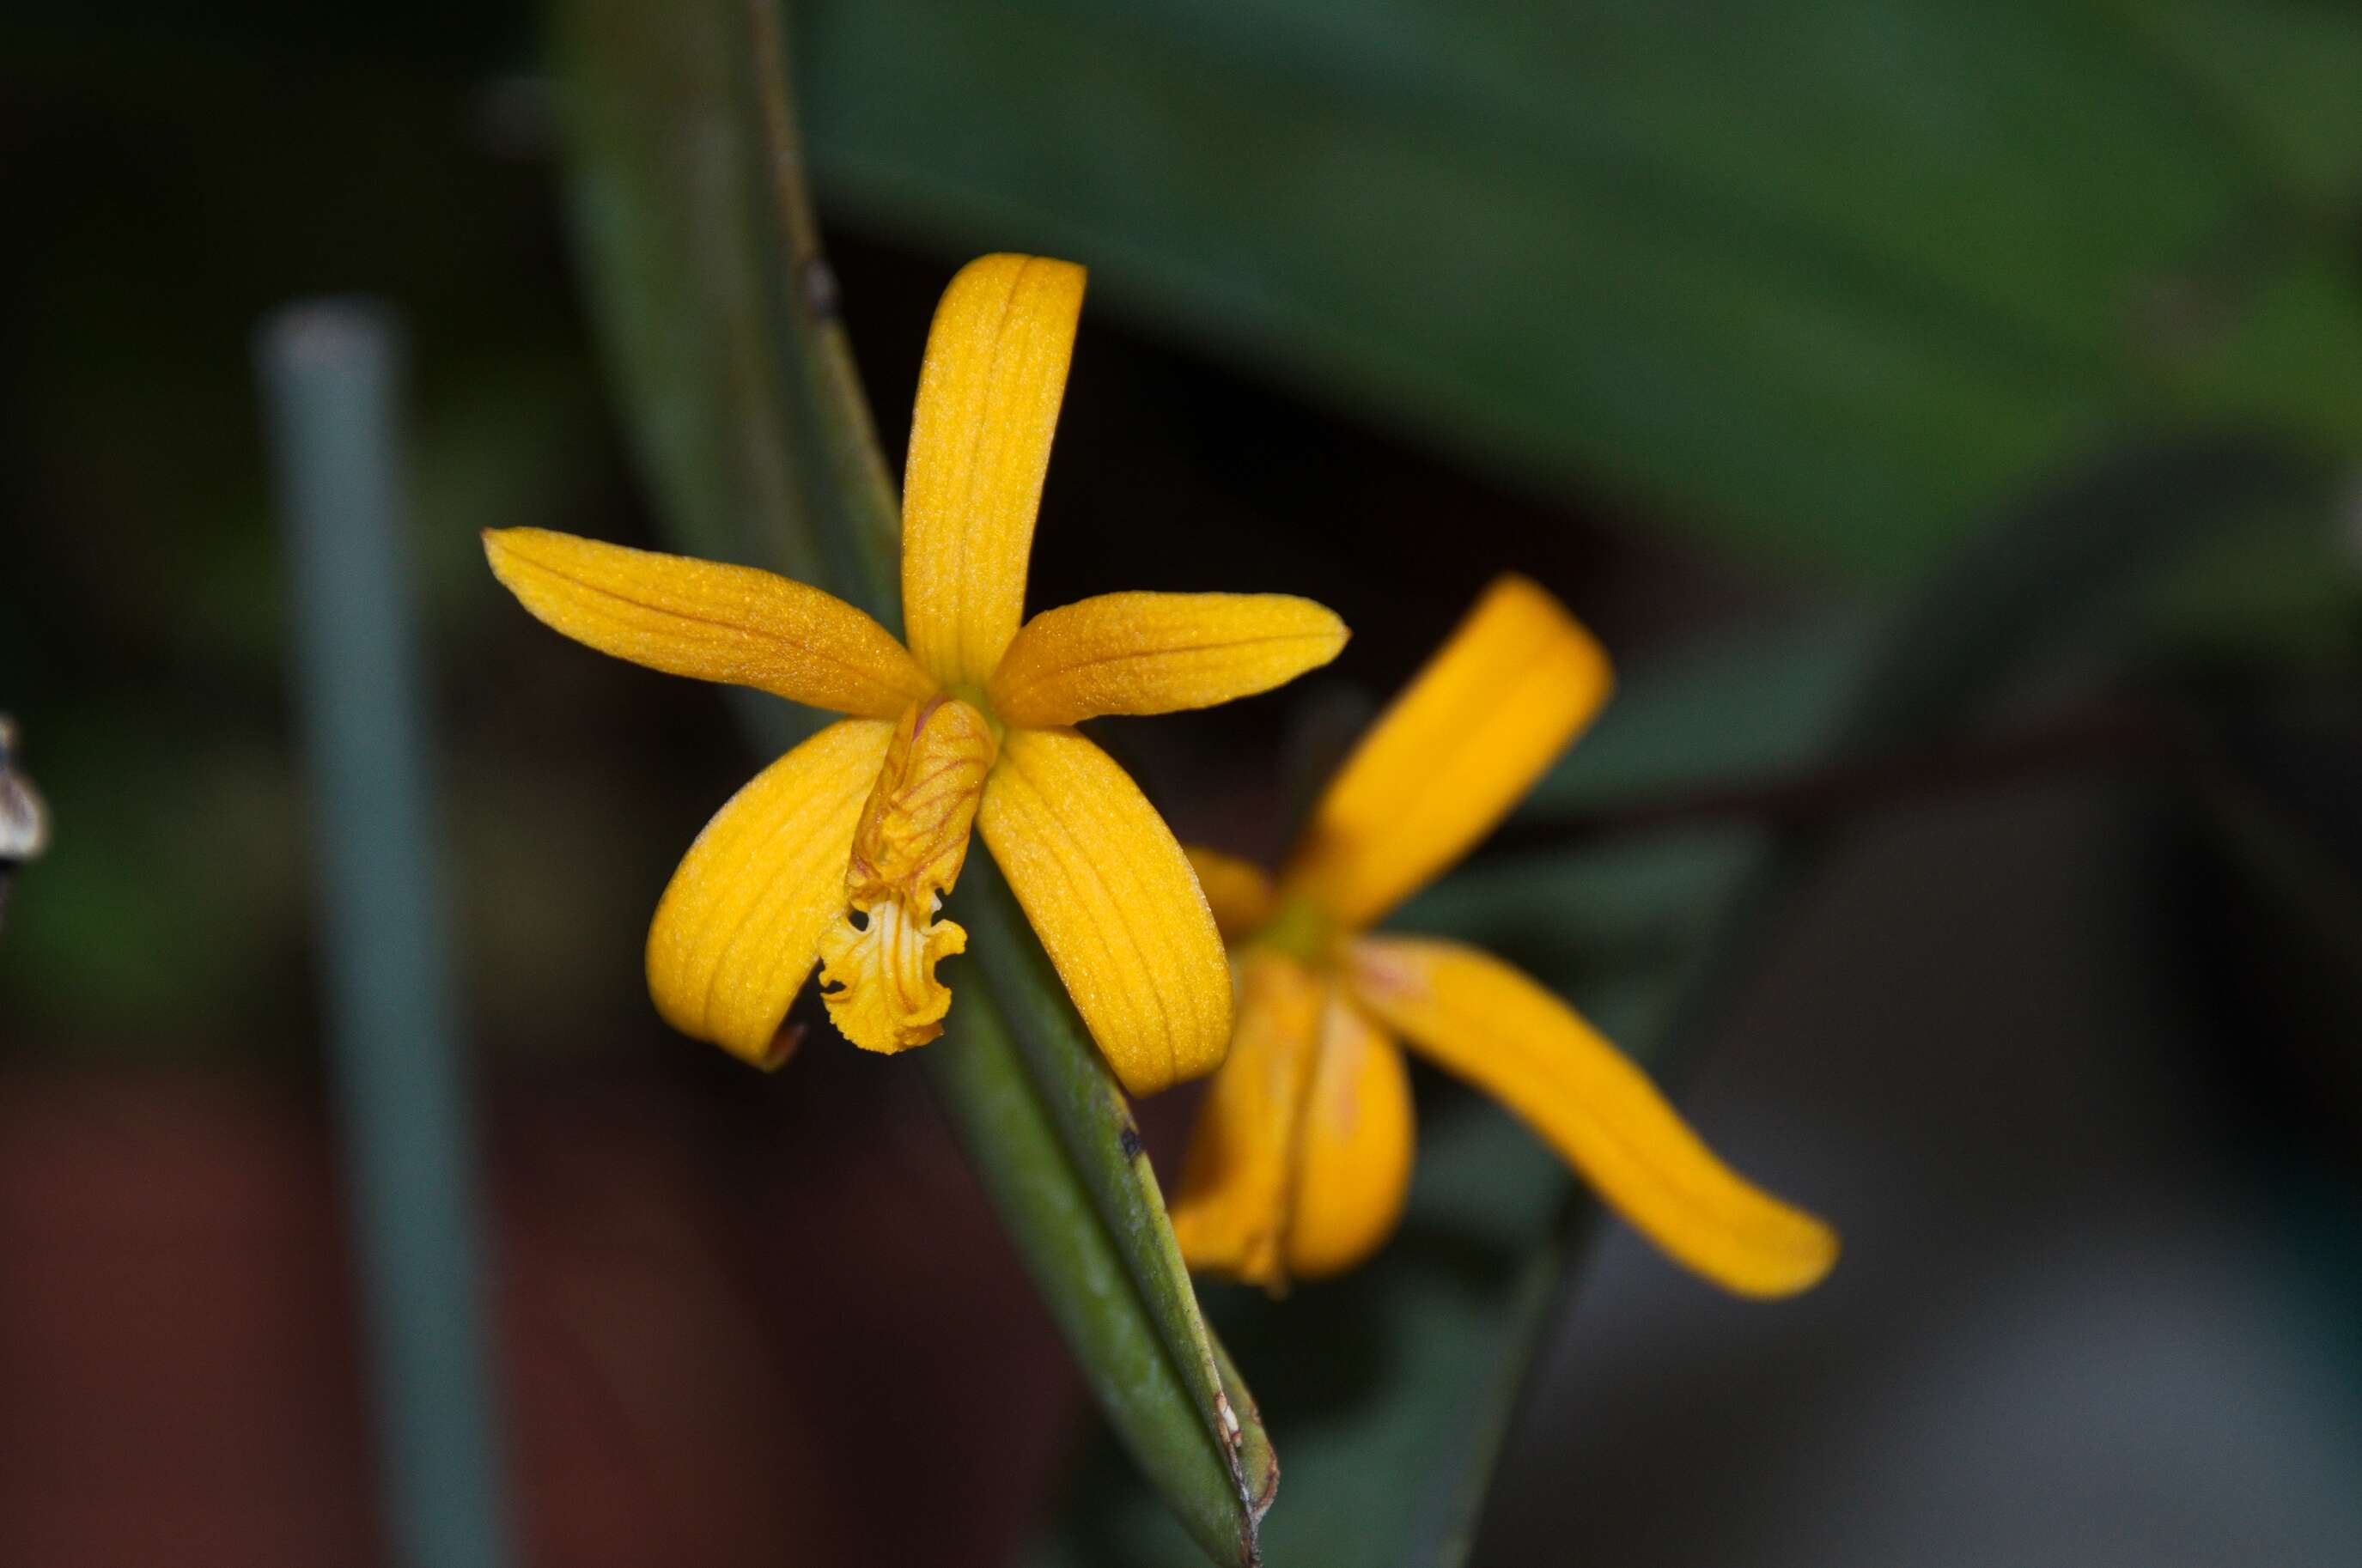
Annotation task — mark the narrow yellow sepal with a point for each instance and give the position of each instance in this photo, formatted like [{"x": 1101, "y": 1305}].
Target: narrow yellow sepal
[
  {"x": 738, "y": 929},
  {"x": 1115, "y": 904},
  {"x": 1353, "y": 1151},
  {"x": 1482, "y": 1020},
  {"x": 1158, "y": 653},
  {"x": 1468, "y": 737},
  {"x": 707, "y": 620},
  {"x": 1231, "y": 1213},
  {"x": 1240, "y": 893},
  {"x": 988, "y": 407},
  {"x": 1300, "y": 1160}
]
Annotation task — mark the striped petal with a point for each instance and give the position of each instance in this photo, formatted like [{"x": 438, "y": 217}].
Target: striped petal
[
  {"x": 1354, "y": 1153},
  {"x": 1478, "y": 1018},
  {"x": 988, "y": 394},
  {"x": 1240, "y": 893},
  {"x": 1457, "y": 749},
  {"x": 705, "y": 619},
  {"x": 1115, "y": 903},
  {"x": 738, "y": 930},
  {"x": 1238, "y": 1180},
  {"x": 1158, "y": 653}
]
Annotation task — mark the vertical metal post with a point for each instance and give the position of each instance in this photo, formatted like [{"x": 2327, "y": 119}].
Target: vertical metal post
[{"x": 331, "y": 373}]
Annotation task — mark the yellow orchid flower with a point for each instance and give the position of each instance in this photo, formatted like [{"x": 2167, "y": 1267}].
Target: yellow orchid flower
[
  {"x": 1301, "y": 1157},
  {"x": 839, "y": 853}
]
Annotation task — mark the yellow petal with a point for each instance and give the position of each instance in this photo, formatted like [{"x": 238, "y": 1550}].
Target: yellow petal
[
  {"x": 1232, "y": 1214},
  {"x": 1481, "y": 1019},
  {"x": 704, "y": 618},
  {"x": 1456, "y": 750},
  {"x": 1158, "y": 653},
  {"x": 1353, "y": 1159},
  {"x": 738, "y": 930},
  {"x": 1240, "y": 893},
  {"x": 907, "y": 854},
  {"x": 989, "y": 395},
  {"x": 1117, "y": 908}
]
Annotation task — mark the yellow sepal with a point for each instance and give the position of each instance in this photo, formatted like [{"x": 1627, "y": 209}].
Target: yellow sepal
[
  {"x": 1237, "y": 1181},
  {"x": 738, "y": 929},
  {"x": 1482, "y": 1020},
  {"x": 1456, "y": 750},
  {"x": 1301, "y": 1155},
  {"x": 988, "y": 394},
  {"x": 1353, "y": 1151},
  {"x": 1240, "y": 893},
  {"x": 1158, "y": 653},
  {"x": 1115, "y": 904},
  {"x": 710, "y": 621}
]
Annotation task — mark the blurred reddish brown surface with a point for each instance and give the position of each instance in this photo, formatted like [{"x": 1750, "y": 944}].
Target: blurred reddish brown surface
[{"x": 725, "y": 1337}]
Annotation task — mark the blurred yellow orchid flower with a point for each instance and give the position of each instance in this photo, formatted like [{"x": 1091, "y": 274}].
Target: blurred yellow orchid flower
[
  {"x": 839, "y": 853},
  {"x": 1300, "y": 1159}
]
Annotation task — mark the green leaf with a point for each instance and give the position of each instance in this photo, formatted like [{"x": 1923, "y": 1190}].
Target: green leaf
[
  {"x": 2067, "y": 570},
  {"x": 2280, "y": 79},
  {"x": 1087, "y": 1279},
  {"x": 1740, "y": 705},
  {"x": 1087, "y": 1108},
  {"x": 1830, "y": 282},
  {"x": 1377, "y": 1373},
  {"x": 717, "y": 313},
  {"x": 715, "y": 307}
]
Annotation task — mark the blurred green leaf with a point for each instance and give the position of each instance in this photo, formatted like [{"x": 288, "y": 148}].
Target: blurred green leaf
[
  {"x": 1829, "y": 282},
  {"x": 2073, "y": 568},
  {"x": 2280, "y": 79},
  {"x": 2285, "y": 593},
  {"x": 719, "y": 315},
  {"x": 715, "y": 307},
  {"x": 1739, "y": 705}
]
